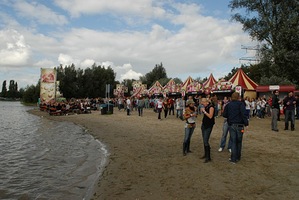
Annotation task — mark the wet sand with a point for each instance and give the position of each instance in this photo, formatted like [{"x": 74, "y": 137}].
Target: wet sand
[{"x": 146, "y": 160}]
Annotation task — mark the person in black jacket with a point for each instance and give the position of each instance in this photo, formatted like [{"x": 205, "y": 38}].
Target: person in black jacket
[
  {"x": 208, "y": 122},
  {"x": 289, "y": 102},
  {"x": 237, "y": 121}
]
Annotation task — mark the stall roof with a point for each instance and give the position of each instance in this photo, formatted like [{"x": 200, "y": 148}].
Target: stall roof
[
  {"x": 281, "y": 88},
  {"x": 210, "y": 82},
  {"x": 240, "y": 78}
]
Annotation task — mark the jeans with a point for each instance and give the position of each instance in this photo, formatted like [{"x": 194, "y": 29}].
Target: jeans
[
  {"x": 247, "y": 113},
  {"x": 128, "y": 111},
  {"x": 140, "y": 111},
  {"x": 224, "y": 136},
  {"x": 179, "y": 113},
  {"x": 171, "y": 109},
  {"x": 188, "y": 134},
  {"x": 289, "y": 116},
  {"x": 274, "y": 119},
  {"x": 159, "y": 110},
  {"x": 236, "y": 135},
  {"x": 259, "y": 113},
  {"x": 165, "y": 113},
  {"x": 206, "y": 133}
]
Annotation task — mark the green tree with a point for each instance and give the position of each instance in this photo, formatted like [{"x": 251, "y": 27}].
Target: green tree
[
  {"x": 68, "y": 80},
  {"x": 274, "y": 23},
  {"x": 79, "y": 83},
  {"x": 158, "y": 73},
  {"x": 177, "y": 80},
  {"x": 12, "y": 89},
  {"x": 128, "y": 83},
  {"x": 4, "y": 89},
  {"x": 31, "y": 93}
]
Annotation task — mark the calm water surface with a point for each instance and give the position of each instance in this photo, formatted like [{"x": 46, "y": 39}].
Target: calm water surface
[{"x": 44, "y": 159}]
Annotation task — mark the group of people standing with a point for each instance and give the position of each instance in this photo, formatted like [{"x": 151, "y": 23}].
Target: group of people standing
[
  {"x": 290, "y": 103},
  {"x": 234, "y": 112},
  {"x": 236, "y": 118}
]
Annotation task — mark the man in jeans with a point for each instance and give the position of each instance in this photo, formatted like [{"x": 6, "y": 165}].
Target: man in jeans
[
  {"x": 237, "y": 120},
  {"x": 289, "y": 102},
  {"x": 224, "y": 136},
  {"x": 275, "y": 110}
]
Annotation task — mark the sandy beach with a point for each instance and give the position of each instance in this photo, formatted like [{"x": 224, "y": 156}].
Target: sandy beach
[{"x": 146, "y": 160}]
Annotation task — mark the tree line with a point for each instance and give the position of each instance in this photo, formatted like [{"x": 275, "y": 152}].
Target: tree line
[{"x": 273, "y": 23}]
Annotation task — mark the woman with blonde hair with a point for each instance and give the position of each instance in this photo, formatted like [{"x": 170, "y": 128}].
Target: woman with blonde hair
[{"x": 208, "y": 122}]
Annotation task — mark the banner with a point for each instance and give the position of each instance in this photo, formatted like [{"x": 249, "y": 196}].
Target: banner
[{"x": 48, "y": 84}]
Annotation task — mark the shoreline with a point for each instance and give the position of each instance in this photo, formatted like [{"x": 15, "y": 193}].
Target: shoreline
[{"x": 146, "y": 160}]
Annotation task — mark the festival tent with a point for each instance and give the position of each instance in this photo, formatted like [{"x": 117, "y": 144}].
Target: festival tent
[
  {"x": 156, "y": 89},
  {"x": 140, "y": 91},
  {"x": 248, "y": 85},
  {"x": 191, "y": 86},
  {"x": 171, "y": 88},
  {"x": 210, "y": 82},
  {"x": 184, "y": 86},
  {"x": 222, "y": 88}
]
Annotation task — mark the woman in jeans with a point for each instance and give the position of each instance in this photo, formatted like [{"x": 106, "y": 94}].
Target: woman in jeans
[
  {"x": 190, "y": 115},
  {"x": 208, "y": 122}
]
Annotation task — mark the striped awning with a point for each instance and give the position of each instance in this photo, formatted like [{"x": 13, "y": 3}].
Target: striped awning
[
  {"x": 240, "y": 78},
  {"x": 210, "y": 82}
]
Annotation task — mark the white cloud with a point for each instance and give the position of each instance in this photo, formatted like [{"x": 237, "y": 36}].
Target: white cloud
[
  {"x": 196, "y": 46},
  {"x": 39, "y": 12},
  {"x": 13, "y": 48},
  {"x": 126, "y": 72},
  {"x": 144, "y": 8},
  {"x": 87, "y": 63},
  {"x": 65, "y": 59},
  {"x": 45, "y": 63}
]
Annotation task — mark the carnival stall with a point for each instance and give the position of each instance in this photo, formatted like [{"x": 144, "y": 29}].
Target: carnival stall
[
  {"x": 191, "y": 87},
  {"x": 156, "y": 90},
  {"x": 248, "y": 85},
  {"x": 172, "y": 89},
  {"x": 268, "y": 89},
  {"x": 139, "y": 89},
  {"x": 209, "y": 84},
  {"x": 120, "y": 90}
]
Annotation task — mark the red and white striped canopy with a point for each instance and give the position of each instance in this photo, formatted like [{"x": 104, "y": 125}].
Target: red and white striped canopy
[
  {"x": 156, "y": 88},
  {"x": 210, "y": 82},
  {"x": 187, "y": 82},
  {"x": 240, "y": 78}
]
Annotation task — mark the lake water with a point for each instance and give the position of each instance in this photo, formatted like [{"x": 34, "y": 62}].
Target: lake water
[{"x": 44, "y": 159}]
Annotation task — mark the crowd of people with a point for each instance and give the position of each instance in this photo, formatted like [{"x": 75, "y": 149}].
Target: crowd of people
[{"x": 236, "y": 112}]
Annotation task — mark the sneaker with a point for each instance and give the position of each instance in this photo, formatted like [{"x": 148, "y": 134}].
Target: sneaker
[
  {"x": 229, "y": 150},
  {"x": 220, "y": 149},
  {"x": 233, "y": 162}
]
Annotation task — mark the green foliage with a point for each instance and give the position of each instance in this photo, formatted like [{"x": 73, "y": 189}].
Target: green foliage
[
  {"x": 274, "y": 80},
  {"x": 158, "y": 73},
  {"x": 31, "y": 94},
  {"x": 275, "y": 24},
  {"x": 164, "y": 81},
  {"x": 4, "y": 89},
  {"x": 79, "y": 83},
  {"x": 128, "y": 83},
  {"x": 12, "y": 92},
  {"x": 177, "y": 80}
]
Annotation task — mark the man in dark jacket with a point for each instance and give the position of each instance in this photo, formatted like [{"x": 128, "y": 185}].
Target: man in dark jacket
[
  {"x": 237, "y": 121},
  {"x": 289, "y": 102}
]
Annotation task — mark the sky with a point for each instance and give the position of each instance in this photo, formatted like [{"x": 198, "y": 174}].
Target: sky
[{"x": 189, "y": 37}]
